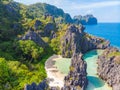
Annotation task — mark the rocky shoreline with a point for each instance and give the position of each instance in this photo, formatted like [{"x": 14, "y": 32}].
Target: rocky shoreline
[
  {"x": 77, "y": 77},
  {"x": 76, "y": 40},
  {"x": 75, "y": 43},
  {"x": 109, "y": 67}
]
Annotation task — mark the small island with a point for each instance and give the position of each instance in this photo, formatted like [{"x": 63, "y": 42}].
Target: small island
[{"x": 85, "y": 20}]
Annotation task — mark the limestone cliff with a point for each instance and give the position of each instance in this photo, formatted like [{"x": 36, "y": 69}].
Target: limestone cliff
[
  {"x": 109, "y": 67},
  {"x": 41, "y": 86},
  {"x": 76, "y": 40},
  {"x": 85, "y": 20},
  {"x": 77, "y": 77},
  {"x": 32, "y": 35}
]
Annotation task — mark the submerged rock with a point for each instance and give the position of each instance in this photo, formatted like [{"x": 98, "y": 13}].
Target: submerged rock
[
  {"x": 109, "y": 67},
  {"x": 77, "y": 77},
  {"x": 76, "y": 40}
]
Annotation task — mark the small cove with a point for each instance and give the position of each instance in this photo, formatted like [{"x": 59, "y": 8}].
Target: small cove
[
  {"x": 95, "y": 83},
  {"x": 61, "y": 66}
]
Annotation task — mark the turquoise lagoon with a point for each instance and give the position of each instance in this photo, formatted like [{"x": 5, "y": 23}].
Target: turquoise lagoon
[
  {"x": 95, "y": 83},
  {"x": 109, "y": 31}
]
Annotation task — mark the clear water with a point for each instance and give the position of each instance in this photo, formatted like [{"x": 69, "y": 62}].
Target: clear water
[
  {"x": 63, "y": 65},
  {"x": 109, "y": 31},
  {"x": 95, "y": 83}
]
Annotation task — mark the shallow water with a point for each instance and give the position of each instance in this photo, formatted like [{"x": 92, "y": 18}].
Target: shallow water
[
  {"x": 95, "y": 83},
  {"x": 57, "y": 68},
  {"x": 63, "y": 65}
]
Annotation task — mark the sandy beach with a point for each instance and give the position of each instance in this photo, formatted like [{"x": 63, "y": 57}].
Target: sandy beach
[{"x": 55, "y": 77}]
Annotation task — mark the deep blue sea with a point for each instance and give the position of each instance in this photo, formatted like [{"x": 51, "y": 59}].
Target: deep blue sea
[{"x": 109, "y": 31}]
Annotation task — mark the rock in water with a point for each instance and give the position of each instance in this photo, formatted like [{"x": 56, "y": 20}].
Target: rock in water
[
  {"x": 109, "y": 67},
  {"x": 76, "y": 40},
  {"x": 77, "y": 77},
  {"x": 85, "y": 20}
]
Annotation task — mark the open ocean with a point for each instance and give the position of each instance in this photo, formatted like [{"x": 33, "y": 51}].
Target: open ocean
[{"x": 109, "y": 31}]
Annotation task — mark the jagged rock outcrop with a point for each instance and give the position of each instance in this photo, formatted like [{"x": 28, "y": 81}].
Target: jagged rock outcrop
[
  {"x": 76, "y": 40},
  {"x": 77, "y": 77},
  {"x": 32, "y": 35},
  {"x": 92, "y": 42},
  {"x": 41, "y": 86},
  {"x": 109, "y": 67},
  {"x": 85, "y": 20},
  {"x": 71, "y": 41},
  {"x": 47, "y": 15},
  {"x": 13, "y": 9},
  {"x": 49, "y": 30},
  {"x": 37, "y": 24}
]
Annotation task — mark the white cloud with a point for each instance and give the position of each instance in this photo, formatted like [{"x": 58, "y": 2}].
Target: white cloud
[
  {"x": 89, "y": 11},
  {"x": 95, "y": 5},
  {"x": 102, "y": 9}
]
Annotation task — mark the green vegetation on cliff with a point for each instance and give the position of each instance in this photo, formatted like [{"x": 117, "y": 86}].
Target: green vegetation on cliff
[
  {"x": 39, "y": 9},
  {"x": 116, "y": 56},
  {"x": 28, "y": 36},
  {"x": 14, "y": 74},
  {"x": 30, "y": 49},
  {"x": 22, "y": 61}
]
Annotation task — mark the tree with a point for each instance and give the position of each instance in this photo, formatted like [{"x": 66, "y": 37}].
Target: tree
[
  {"x": 4, "y": 74},
  {"x": 55, "y": 44},
  {"x": 30, "y": 49}
]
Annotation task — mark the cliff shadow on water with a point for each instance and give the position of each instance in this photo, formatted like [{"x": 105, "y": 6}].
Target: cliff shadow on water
[
  {"x": 96, "y": 80},
  {"x": 90, "y": 54}
]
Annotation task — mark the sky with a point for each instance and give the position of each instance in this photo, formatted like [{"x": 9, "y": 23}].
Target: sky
[{"x": 103, "y": 10}]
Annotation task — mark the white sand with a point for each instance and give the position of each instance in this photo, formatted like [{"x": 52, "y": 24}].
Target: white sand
[{"x": 56, "y": 77}]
